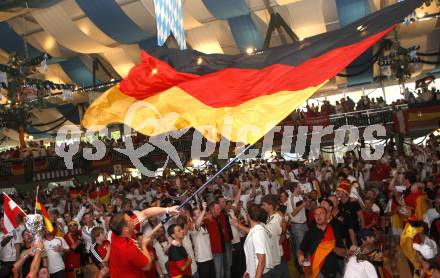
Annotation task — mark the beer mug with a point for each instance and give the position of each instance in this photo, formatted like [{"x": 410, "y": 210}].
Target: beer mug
[{"x": 307, "y": 267}]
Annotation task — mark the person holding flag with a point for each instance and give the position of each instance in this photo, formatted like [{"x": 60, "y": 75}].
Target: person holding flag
[
  {"x": 127, "y": 259},
  {"x": 9, "y": 240}
]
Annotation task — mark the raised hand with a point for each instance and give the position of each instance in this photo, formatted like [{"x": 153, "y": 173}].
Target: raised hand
[{"x": 173, "y": 210}]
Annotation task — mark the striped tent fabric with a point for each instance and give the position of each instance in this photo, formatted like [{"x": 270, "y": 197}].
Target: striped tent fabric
[{"x": 68, "y": 28}]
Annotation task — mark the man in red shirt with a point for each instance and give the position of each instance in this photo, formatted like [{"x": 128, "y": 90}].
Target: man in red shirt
[
  {"x": 126, "y": 258},
  {"x": 216, "y": 237},
  {"x": 380, "y": 171},
  {"x": 73, "y": 255},
  {"x": 227, "y": 236}
]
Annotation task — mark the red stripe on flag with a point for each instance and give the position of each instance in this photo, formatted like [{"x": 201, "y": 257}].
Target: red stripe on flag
[
  {"x": 233, "y": 86},
  {"x": 93, "y": 195}
]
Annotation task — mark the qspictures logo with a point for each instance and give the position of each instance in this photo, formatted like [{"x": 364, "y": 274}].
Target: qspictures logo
[{"x": 160, "y": 126}]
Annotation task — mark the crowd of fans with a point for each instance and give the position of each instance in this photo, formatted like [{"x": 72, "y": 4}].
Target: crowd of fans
[
  {"x": 347, "y": 104},
  {"x": 344, "y": 105},
  {"x": 257, "y": 219}
]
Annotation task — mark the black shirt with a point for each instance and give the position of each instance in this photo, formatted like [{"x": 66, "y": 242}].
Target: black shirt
[
  {"x": 177, "y": 256},
  {"x": 348, "y": 216},
  {"x": 310, "y": 243}
]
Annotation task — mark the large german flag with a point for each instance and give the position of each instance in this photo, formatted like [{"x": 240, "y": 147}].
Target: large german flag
[{"x": 240, "y": 97}]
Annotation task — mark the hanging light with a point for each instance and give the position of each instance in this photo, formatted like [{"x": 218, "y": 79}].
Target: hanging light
[
  {"x": 199, "y": 61},
  {"x": 361, "y": 28},
  {"x": 249, "y": 50}
]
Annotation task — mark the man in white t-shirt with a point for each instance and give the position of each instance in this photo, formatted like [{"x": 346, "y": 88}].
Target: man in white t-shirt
[
  {"x": 202, "y": 245},
  {"x": 9, "y": 249},
  {"x": 298, "y": 219},
  {"x": 86, "y": 230},
  {"x": 274, "y": 226},
  {"x": 55, "y": 248},
  {"x": 257, "y": 247},
  {"x": 305, "y": 186},
  {"x": 288, "y": 174},
  {"x": 224, "y": 187}
]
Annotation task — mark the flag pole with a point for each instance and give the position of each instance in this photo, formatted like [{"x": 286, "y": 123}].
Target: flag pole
[
  {"x": 17, "y": 205},
  {"x": 200, "y": 189},
  {"x": 36, "y": 199}
]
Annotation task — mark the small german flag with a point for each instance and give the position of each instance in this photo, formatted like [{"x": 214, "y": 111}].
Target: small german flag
[
  {"x": 74, "y": 193},
  {"x": 240, "y": 97},
  {"x": 17, "y": 169},
  {"x": 93, "y": 195},
  {"x": 104, "y": 195},
  {"x": 39, "y": 207}
]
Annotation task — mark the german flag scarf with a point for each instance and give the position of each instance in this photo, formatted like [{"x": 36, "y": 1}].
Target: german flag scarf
[{"x": 324, "y": 248}]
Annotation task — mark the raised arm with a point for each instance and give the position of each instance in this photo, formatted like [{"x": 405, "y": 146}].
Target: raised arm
[
  {"x": 80, "y": 214},
  {"x": 35, "y": 266},
  {"x": 19, "y": 263},
  {"x": 237, "y": 198},
  {"x": 201, "y": 216},
  {"x": 95, "y": 207},
  {"x": 155, "y": 211}
]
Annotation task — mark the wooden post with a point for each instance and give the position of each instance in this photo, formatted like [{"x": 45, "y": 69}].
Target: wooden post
[{"x": 21, "y": 137}]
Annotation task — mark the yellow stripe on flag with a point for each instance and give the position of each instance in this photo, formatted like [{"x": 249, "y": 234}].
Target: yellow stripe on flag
[
  {"x": 406, "y": 242},
  {"x": 42, "y": 210},
  {"x": 421, "y": 206},
  {"x": 177, "y": 109}
]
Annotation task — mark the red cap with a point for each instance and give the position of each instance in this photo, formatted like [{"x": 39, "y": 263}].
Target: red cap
[{"x": 344, "y": 186}]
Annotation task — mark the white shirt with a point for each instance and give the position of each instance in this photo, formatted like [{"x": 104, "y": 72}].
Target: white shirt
[
  {"x": 430, "y": 215},
  {"x": 226, "y": 190},
  {"x": 245, "y": 185},
  {"x": 259, "y": 195},
  {"x": 273, "y": 225},
  {"x": 244, "y": 202},
  {"x": 161, "y": 256},
  {"x": 108, "y": 235},
  {"x": 202, "y": 245},
  {"x": 187, "y": 244},
  {"x": 18, "y": 233},
  {"x": 87, "y": 236},
  {"x": 290, "y": 176},
  {"x": 306, "y": 187},
  {"x": 265, "y": 186},
  {"x": 300, "y": 217},
  {"x": 269, "y": 187},
  {"x": 362, "y": 269},
  {"x": 235, "y": 231},
  {"x": 257, "y": 242},
  {"x": 55, "y": 259},
  {"x": 8, "y": 252}
]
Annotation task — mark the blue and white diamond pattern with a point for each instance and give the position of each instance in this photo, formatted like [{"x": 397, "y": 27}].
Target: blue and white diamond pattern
[{"x": 169, "y": 18}]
